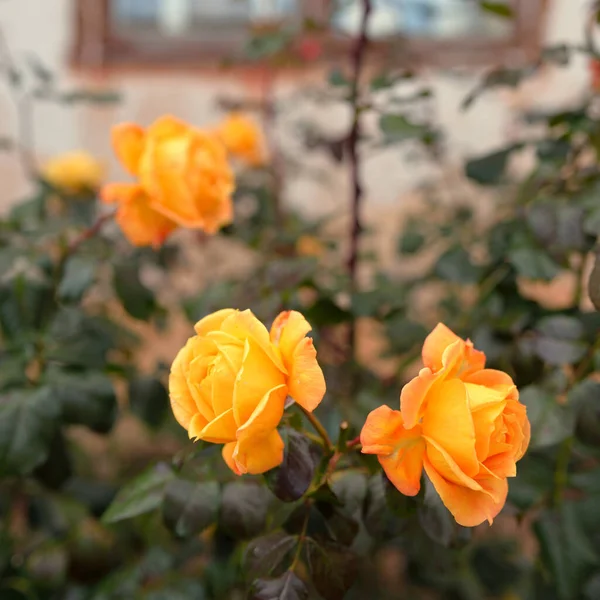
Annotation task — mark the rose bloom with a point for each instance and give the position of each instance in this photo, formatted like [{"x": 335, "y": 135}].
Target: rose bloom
[
  {"x": 229, "y": 384},
  {"x": 183, "y": 171},
  {"x": 139, "y": 222},
  {"x": 243, "y": 139},
  {"x": 74, "y": 172},
  {"x": 460, "y": 421}
]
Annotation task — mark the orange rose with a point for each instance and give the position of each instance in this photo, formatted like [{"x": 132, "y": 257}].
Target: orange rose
[
  {"x": 183, "y": 171},
  {"x": 229, "y": 384},
  {"x": 460, "y": 421},
  {"x": 243, "y": 139},
  {"x": 141, "y": 224},
  {"x": 74, "y": 172}
]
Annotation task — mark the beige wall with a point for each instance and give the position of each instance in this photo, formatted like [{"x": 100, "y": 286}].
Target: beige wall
[{"x": 44, "y": 27}]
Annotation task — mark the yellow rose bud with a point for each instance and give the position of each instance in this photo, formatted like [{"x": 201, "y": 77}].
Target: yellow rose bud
[
  {"x": 229, "y": 383},
  {"x": 183, "y": 171},
  {"x": 74, "y": 172},
  {"x": 460, "y": 422},
  {"x": 309, "y": 245},
  {"x": 243, "y": 139}
]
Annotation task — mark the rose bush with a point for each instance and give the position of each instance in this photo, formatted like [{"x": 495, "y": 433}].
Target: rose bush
[{"x": 229, "y": 384}]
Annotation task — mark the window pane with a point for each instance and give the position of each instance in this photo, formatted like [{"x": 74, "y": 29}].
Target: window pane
[
  {"x": 422, "y": 18},
  {"x": 184, "y": 17}
]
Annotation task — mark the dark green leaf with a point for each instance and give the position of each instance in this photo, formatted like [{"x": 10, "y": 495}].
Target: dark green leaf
[
  {"x": 534, "y": 481},
  {"x": 28, "y": 422},
  {"x": 86, "y": 398},
  {"x": 397, "y": 128},
  {"x": 455, "y": 265},
  {"x": 286, "y": 587},
  {"x": 411, "y": 242},
  {"x": 333, "y": 568},
  {"x": 144, "y": 494},
  {"x": 533, "y": 263},
  {"x": 400, "y": 505},
  {"x": 189, "y": 508},
  {"x": 560, "y": 340},
  {"x": 489, "y": 169},
  {"x": 137, "y": 299},
  {"x": 12, "y": 371},
  {"x": 244, "y": 509},
  {"x": 292, "y": 478},
  {"x": 550, "y": 422},
  {"x": 148, "y": 400},
  {"x": 57, "y": 468},
  {"x": 585, "y": 399},
  {"x": 434, "y": 517},
  {"x": 326, "y": 312},
  {"x": 266, "y": 554},
  {"x": 565, "y": 549},
  {"x": 379, "y": 519},
  {"x": 501, "y": 9},
  {"x": 80, "y": 273}
]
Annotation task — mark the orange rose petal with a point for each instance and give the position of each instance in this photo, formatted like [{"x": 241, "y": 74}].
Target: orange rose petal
[
  {"x": 400, "y": 451},
  {"x": 182, "y": 402},
  {"x": 227, "y": 453},
  {"x": 490, "y": 378},
  {"x": 448, "y": 421},
  {"x": 287, "y": 331},
  {"x": 381, "y": 431},
  {"x": 484, "y": 424},
  {"x": 447, "y": 468},
  {"x": 435, "y": 344},
  {"x": 128, "y": 141},
  {"x": 221, "y": 429},
  {"x": 266, "y": 416},
  {"x": 257, "y": 376},
  {"x": 167, "y": 126},
  {"x": 259, "y": 455},
  {"x": 219, "y": 218},
  {"x": 470, "y": 508},
  {"x": 118, "y": 192},
  {"x": 413, "y": 395},
  {"x": 196, "y": 425},
  {"x": 243, "y": 325},
  {"x": 502, "y": 465},
  {"x": 223, "y": 376},
  {"x": 213, "y": 321},
  {"x": 306, "y": 383}
]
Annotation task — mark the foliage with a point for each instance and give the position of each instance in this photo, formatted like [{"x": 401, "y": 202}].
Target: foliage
[{"x": 81, "y": 519}]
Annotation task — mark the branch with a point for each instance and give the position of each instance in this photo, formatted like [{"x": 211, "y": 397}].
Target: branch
[
  {"x": 354, "y": 137},
  {"x": 88, "y": 233}
]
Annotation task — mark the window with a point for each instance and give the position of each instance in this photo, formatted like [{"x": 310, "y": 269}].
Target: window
[{"x": 183, "y": 32}]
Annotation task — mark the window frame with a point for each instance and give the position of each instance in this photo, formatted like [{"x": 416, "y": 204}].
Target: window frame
[{"x": 96, "y": 46}]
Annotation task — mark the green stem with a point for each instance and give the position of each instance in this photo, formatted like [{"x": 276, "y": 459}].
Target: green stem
[
  {"x": 318, "y": 428},
  {"x": 301, "y": 539},
  {"x": 561, "y": 473}
]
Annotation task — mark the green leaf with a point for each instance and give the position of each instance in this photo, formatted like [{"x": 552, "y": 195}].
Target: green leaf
[
  {"x": 594, "y": 284},
  {"x": 286, "y": 587},
  {"x": 144, "y": 494},
  {"x": 333, "y": 568},
  {"x": 57, "y": 469},
  {"x": 500, "y": 9},
  {"x": 189, "y": 508},
  {"x": 489, "y": 169},
  {"x": 244, "y": 509},
  {"x": 551, "y": 423},
  {"x": 78, "y": 340},
  {"x": 148, "y": 400},
  {"x": 397, "y": 128},
  {"x": 326, "y": 312},
  {"x": 533, "y": 263},
  {"x": 434, "y": 517},
  {"x": 411, "y": 242},
  {"x": 560, "y": 340},
  {"x": 565, "y": 549},
  {"x": 379, "y": 519},
  {"x": 80, "y": 273},
  {"x": 12, "y": 371},
  {"x": 137, "y": 299},
  {"x": 455, "y": 265},
  {"x": 28, "y": 422},
  {"x": 268, "y": 553},
  {"x": 534, "y": 481},
  {"x": 291, "y": 480},
  {"x": 585, "y": 399},
  {"x": 86, "y": 398}
]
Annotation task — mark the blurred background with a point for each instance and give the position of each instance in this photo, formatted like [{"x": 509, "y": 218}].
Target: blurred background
[{"x": 180, "y": 56}]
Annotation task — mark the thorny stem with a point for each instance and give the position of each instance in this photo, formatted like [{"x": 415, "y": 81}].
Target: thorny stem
[
  {"x": 88, "y": 233},
  {"x": 301, "y": 539},
  {"x": 318, "y": 428},
  {"x": 354, "y": 137}
]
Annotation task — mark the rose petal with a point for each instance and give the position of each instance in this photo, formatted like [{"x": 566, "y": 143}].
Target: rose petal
[
  {"x": 435, "y": 344},
  {"x": 266, "y": 416},
  {"x": 287, "y": 331},
  {"x": 469, "y": 507},
  {"x": 306, "y": 383},
  {"x": 213, "y": 321},
  {"x": 448, "y": 421},
  {"x": 227, "y": 453},
  {"x": 413, "y": 396},
  {"x": 128, "y": 142},
  {"x": 256, "y": 455},
  {"x": 220, "y": 430}
]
